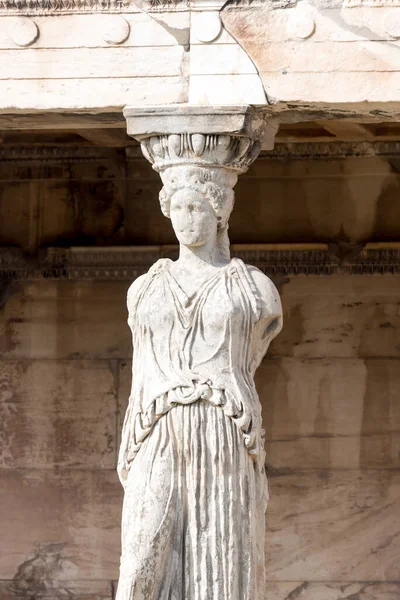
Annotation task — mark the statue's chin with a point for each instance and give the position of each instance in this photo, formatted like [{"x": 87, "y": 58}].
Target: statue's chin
[{"x": 191, "y": 240}]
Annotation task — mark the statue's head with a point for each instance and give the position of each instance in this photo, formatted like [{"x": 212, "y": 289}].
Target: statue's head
[{"x": 199, "y": 202}]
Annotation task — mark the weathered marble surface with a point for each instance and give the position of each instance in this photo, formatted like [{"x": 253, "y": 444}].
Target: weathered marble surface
[
  {"x": 192, "y": 450},
  {"x": 96, "y": 195},
  {"x": 46, "y": 589},
  {"x": 334, "y": 525},
  {"x": 330, "y": 407},
  {"x": 78, "y": 509},
  {"x": 301, "y": 51},
  {"x": 65, "y": 320},
  {"x": 313, "y": 410},
  {"x": 342, "y": 317},
  {"x": 76, "y": 423},
  {"x": 306, "y": 590},
  {"x": 260, "y": 53},
  {"x": 336, "y": 316}
]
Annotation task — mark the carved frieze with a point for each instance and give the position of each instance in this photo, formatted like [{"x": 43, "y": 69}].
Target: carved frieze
[
  {"x": 39, "y": 7},
  {"x": 127, "y": 263},
  {"x": 295, "y": 150}
]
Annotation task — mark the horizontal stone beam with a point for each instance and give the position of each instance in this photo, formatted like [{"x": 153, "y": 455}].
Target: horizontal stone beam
[{"x": 127, "y": 263}]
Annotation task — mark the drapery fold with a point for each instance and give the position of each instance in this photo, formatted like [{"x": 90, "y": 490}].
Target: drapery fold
[{"x": 193, "y": 520}]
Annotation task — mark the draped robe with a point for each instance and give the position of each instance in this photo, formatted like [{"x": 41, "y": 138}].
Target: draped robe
[{"x": 192, "y": 451}]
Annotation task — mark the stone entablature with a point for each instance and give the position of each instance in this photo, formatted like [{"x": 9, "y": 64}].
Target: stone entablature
[
  {"x": 99, "y": 56},
  {"x": 128, "y": 263}
]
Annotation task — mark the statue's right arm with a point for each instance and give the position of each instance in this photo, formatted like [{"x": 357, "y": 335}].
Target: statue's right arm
[
  {"x": 134, "y": 290},
  {"x": 122, "y": 469}
]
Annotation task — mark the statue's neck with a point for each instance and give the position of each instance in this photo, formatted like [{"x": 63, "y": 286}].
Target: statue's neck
[{"x": 193, "y": 258}]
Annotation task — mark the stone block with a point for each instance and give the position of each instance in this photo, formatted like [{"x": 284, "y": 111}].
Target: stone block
[
  {"x": 81, "y": 63},
  {"x": 221, "y": 89},
  {"x": 338, "y": 526},
  {"x": 327, "y": 57},
  {"x": 329, "y": 397},
  {"x": 366, "y": 451},
  {"x": 313, "y": 208},
  {"x": 57, "y": 413},
  {"x": 378, "y": 87},
  {"x": 69, "y": 517},
  {"x": 219, "y": 59},
  {"x": 251, "y": 25},
  {"x": 90, "y": 93},
  {"x": 340, "y": 316},
  {"x": 90, "y": 30},
  {"x": 308, "y": 590},
  {"x": 17, "y": 199},
  {"x": 64, "y": 319},
  {"x": 72, "y": 590}
]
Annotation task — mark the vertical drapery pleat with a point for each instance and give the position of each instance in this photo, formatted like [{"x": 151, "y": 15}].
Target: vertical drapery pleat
[{"x": 194, "y": 510}]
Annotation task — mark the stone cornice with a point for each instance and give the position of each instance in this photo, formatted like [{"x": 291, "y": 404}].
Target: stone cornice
[
  {"x": 54, "y": 153},
  {"x": 127, "y": 263},
  {"x": 332, "y": 150},
  {"x": 298, "y": 150},
  {"x": 48, "y": 7}
]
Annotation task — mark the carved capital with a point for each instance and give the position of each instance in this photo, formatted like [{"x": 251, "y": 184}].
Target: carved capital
[{"x": 209, "y": 137}]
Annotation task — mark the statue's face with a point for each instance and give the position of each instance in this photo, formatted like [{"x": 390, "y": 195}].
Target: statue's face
[{"x": 193, "y": 219}]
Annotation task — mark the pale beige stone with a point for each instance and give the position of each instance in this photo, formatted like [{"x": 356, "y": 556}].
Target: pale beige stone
[
  {"x": 332, "y": 591},
  {"x": 87, "y": 31},
  {"x": 64, "y": 320},
  {"x": 220, "y": 59},
  {"x": 260, "y": 36},
  {"x": 334, "y": 526},
  {"x": 221, "y": 89},
  {"x": 72, "y": 94},
  {"x": 207, "y": 26},
  {"x": 73, "y": 590},
  {"x": 366, "y": 451},
  {"x": 24, "y": 31},
  {"x": 76, "y": 423},
  {"x": 196, "y": 24},
  {"x": 79, "y": 510},
  {"x": 301, "y": 23},
  {"x": 327, "y": 57},
  {"x": 324, "y": 398},
  {"x": 340, "y": 316},
  {"x": 117, "y": 30},
  {"x": 91, "y": 63},
  {"x": 307, "y": 87}
]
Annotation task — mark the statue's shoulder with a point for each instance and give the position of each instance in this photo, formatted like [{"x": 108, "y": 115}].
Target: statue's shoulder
[
  {"x": 140, "y": 284},
  {"x": 135, "y": 288},
  {"x": 263, "y": 288}
]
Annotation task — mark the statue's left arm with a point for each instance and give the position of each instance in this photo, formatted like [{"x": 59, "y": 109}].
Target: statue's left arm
[{"x": 270, "y": 316}]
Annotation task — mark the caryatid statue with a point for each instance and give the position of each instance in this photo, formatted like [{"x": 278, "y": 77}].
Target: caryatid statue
[{"x": 192, "y": 452}]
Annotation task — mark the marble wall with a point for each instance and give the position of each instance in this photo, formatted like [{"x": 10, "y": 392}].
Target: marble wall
[{"x": 330, "y": 390}]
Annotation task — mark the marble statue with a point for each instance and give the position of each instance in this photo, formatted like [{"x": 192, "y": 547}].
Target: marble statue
[{"x": 192, "y": 452}]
